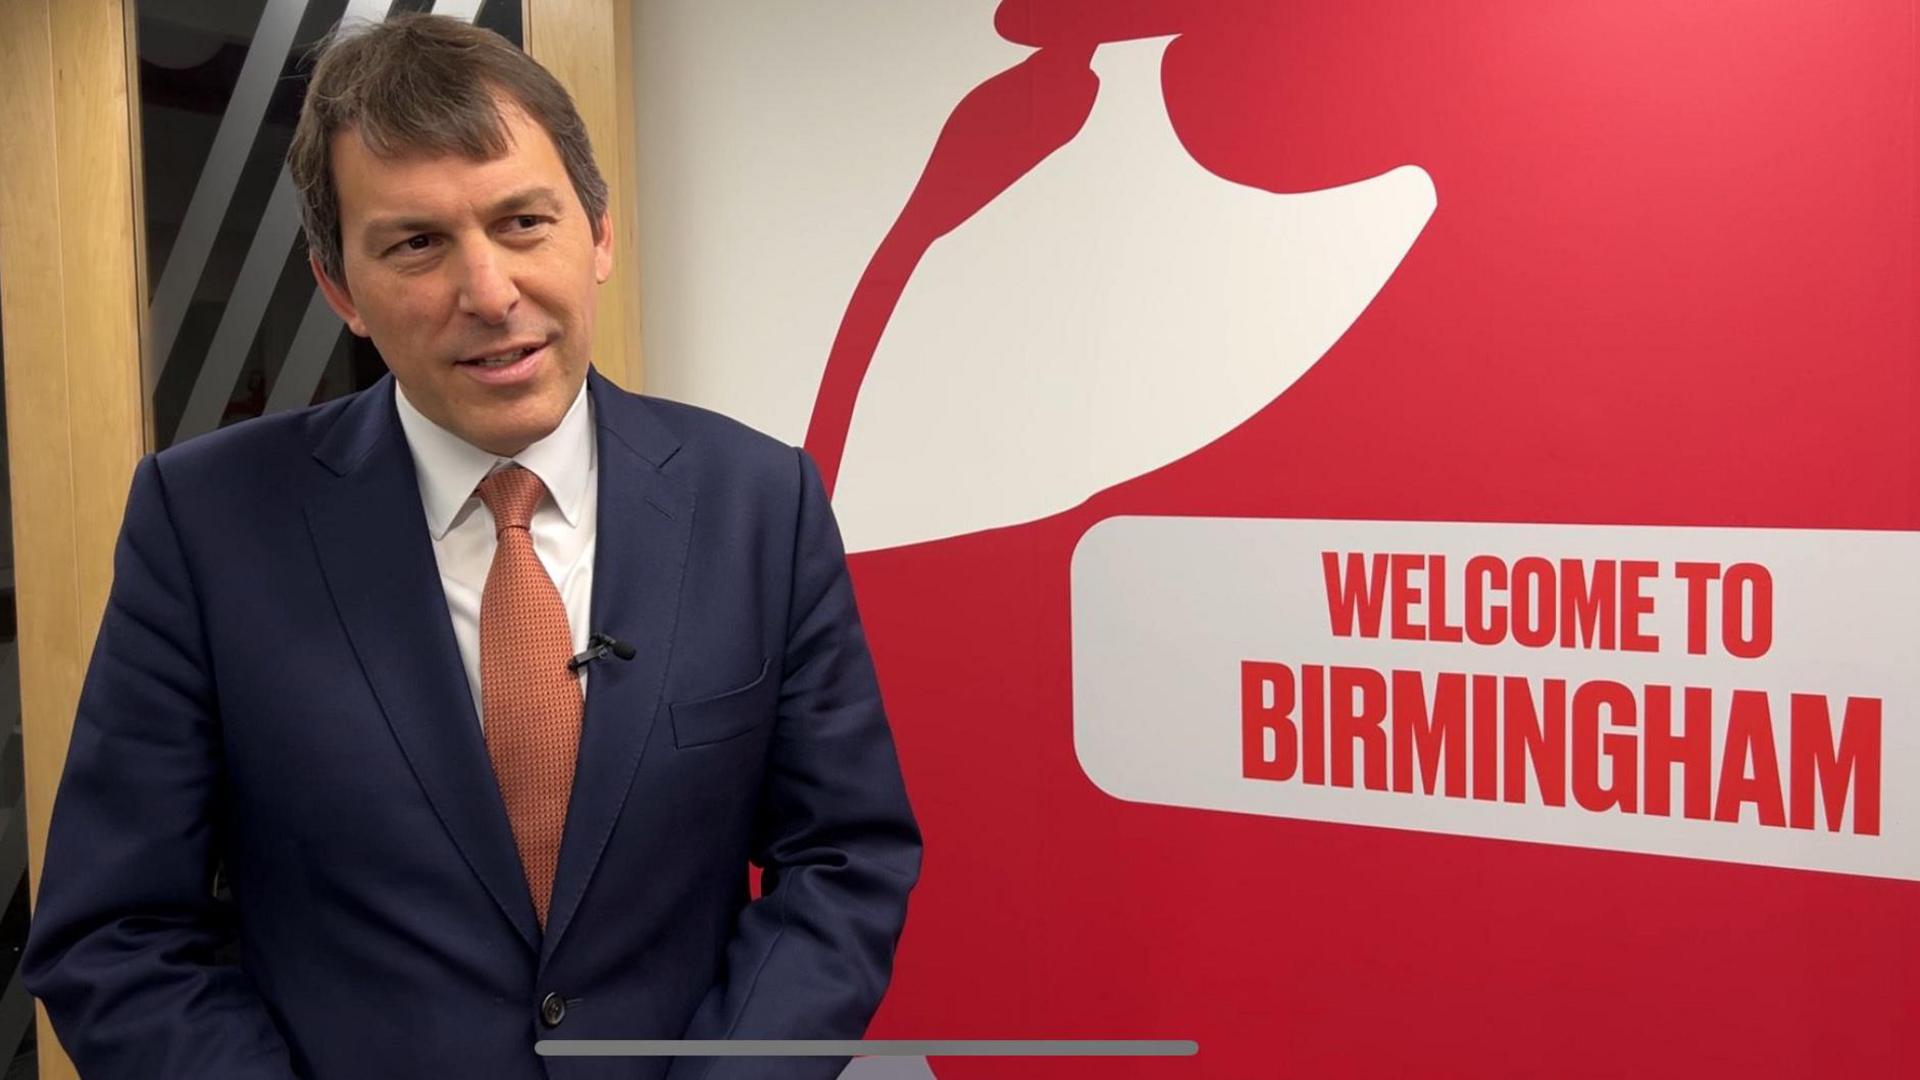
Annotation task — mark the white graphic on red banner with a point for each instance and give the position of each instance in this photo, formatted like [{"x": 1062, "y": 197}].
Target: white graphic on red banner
[{"x": 1115, "y": 309}]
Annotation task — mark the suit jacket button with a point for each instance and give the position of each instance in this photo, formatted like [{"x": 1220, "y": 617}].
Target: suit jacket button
[{"x": 553, "y": 1009}]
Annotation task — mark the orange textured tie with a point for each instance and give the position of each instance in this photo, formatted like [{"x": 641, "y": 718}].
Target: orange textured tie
[{"x": 531, "y": 701}]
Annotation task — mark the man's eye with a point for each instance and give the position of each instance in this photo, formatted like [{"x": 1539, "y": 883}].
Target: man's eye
[
  {"x": 415, "y": 243},
  {"x": 527, "y": 221}
]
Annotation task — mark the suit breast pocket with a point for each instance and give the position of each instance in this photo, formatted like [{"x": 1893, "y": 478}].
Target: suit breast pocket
[{"x": 723, "y": 716}]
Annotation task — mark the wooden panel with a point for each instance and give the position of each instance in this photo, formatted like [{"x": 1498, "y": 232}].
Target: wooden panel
[
  {"x": 103, "y": 301},
  {"x": 625, "y": 185},
  {"x": 587, "y": 44},
  {"x": 75, "y": 413}
]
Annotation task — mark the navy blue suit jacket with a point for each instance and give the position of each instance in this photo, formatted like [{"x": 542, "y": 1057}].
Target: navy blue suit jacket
[{"x": 276, "y": 690}]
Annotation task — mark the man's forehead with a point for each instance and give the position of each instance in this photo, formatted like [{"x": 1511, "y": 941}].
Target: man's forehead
[
  {"x": 352, "y": 144},
  {"x": 512, "y": 128},
  {"x": 416, "y": 179}
]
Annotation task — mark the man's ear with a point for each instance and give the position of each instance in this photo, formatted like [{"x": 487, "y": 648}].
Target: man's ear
[
  {"x": 603, "y": 250},
  {"x": 338, "y": 298}
]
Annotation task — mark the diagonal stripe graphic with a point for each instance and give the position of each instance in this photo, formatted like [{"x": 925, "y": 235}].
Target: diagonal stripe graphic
[
  {"x": 240, "y": 321},
  {"x": 464, "y": 10},
  {"x": 213, "y": 192},
  {"x": 307, "y": 359}
]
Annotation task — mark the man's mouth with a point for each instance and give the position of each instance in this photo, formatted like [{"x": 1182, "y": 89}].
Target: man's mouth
[{"x": 500, "y": 360}]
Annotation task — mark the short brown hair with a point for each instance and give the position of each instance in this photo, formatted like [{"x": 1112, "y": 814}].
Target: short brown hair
[{"x": 424, "y": 83}]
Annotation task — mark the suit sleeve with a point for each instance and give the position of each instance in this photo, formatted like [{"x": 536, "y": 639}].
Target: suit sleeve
[
  {"x": 123, "y": 939},
  {"x": 834, "y": 835}
]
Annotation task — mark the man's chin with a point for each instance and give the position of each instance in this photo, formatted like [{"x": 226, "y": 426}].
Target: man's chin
[
  {"x": 508, "y": 441},
  {"x": 505, "y": 420}
]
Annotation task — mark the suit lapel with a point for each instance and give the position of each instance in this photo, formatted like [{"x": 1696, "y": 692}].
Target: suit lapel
[
  {"x": 645, "y": 523},
  {"x": 371, "y": 534}
]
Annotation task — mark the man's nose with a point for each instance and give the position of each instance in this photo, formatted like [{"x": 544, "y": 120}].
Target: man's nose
[{"x": 487, "y": 291}]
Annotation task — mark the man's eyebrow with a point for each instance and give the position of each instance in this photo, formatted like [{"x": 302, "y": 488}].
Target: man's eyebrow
[
  {"x": 541, "y": 198},
  {"x": 533, "y": 198}
]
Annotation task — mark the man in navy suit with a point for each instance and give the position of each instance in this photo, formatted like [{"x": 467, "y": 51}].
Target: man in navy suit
[{"x": 333, "y": 665}]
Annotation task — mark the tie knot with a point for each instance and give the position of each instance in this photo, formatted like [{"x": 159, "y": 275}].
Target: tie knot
[{"x": 511, "y": 494}]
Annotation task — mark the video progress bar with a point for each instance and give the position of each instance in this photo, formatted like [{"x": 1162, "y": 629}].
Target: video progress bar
[{"x": 866, "y": 1048}]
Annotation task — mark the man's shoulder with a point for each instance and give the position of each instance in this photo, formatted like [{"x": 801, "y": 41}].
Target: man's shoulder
[
  {"x": 703, "y": 428},
  {"x": 264, "y": 453},
  {"x": 714, "y": 458},
  {"x": 695, "y": 437}
]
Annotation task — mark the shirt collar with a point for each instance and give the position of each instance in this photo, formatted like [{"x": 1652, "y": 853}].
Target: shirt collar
[{"x": 450, "y": 468}]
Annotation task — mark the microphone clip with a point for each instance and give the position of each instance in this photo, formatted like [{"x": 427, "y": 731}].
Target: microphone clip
[{"x": 599, "y": 647}]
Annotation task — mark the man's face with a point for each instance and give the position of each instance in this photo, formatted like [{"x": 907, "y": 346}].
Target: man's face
[{"x": 456, "y": 267}]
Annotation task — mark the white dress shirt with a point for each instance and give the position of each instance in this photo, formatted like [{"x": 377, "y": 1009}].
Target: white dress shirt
[{"x": 564, "y": 525}]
